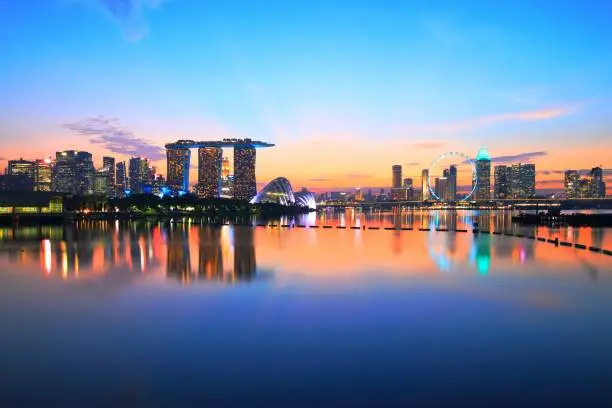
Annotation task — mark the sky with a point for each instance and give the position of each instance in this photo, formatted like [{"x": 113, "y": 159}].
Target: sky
[{"x": 344, "y": 89}]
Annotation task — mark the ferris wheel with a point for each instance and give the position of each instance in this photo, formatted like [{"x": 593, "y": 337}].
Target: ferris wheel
[{"x": 461, "y": 159}]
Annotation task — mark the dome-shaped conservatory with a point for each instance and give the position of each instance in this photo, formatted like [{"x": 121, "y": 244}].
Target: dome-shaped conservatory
[
  {"x": 305, "y": 199},
  {"x": 277, "y": 191}
]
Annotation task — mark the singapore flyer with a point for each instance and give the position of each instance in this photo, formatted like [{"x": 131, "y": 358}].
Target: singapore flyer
[{"x": 444, "y": 187}]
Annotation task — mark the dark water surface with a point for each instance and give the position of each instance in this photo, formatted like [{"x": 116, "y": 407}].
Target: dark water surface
[{"x": 179, "y": 315}]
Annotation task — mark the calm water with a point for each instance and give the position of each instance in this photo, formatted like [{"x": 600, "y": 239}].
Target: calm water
[{"x": 152, "y": 315}]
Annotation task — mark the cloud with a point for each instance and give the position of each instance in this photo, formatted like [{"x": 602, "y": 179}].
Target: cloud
[
  {"x": 520, "y": 157},
  {"x": 3, "y": 159},
  {"x": 109, "y": 133},
  {"x": 129, "y": 15},
  {"x": 523, "y": 116},
  {"x": 320, "y": 179},
  {"x": 582, "y": 172},
  {"x": 412, "y": 164}
]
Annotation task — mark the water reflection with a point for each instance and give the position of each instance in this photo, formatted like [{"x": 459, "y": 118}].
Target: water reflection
[{"x": 187, "y": 253}]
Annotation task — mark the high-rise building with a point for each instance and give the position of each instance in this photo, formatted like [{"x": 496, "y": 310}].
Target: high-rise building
[
  {"x": 121, "y": 178},
  {"x": 483, "y": 176},
  {"x": 501, "y": 188},
  {"x": 572, "y": 184},
  {"x": 358, "y": 194},
  {"x": 425, "y": 185},
  {"x": 441, "y": 189},
  {"x": 24, "y": 168},
  {"x": 598, "y": 186},
  {"x": 407, "y": 182},
  {"x": 140, "y": 175},
  {"x": 73, "y": 173},
  {"x": 528, "y": 175},
  {"x": 585, "y": 188},
  {"x": 101, "y": 181},
  {"x": 245, "y": 185},
  {"x": 396, "y": 171},
  {"x": 209, "y": 172},
  {"x": 43, "y": 174},
  {"x": 108, "y": 163},
  {"x": 178, "y": 159},
  {"x": 452, "y": 183}
]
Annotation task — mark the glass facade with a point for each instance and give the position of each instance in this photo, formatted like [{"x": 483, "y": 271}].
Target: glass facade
[
  {"x": 245, "y": 186},
  {"x": 209, "y": 172},
  {"x": 178, "y": 162},
  {"x": 73, "y": 173},
  {"x": 483, "y": 176},
  {"x": 501, "y": 190}
]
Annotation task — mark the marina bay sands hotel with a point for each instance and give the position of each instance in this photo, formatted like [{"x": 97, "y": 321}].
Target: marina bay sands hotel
[{"x": 210, "y": 156}]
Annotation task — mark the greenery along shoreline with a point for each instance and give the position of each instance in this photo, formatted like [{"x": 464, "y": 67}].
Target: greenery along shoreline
[{"x": 150, "y": 206}]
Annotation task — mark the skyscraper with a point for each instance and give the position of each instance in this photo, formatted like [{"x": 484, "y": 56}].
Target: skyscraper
[
  {"x": 22, "y": 168},
  {"x": 209, "y": 172},
  {"x": 598, "y": 187},
  {"x": 121, "y": 178},
  {"x": 73, "y": 172},
  {"x": 396, "y": 171},
  {"x": 528, "y": 174},
  {"x": 424, "y": 185},
  {"x": 101, "y": 181},
  {"x": 572, "y": 184},
  {"x": 178, "y": 159},
  {"x": 140, "y": 175},
  {"x": 407, "y": 182},
  {"x": 225, "y": 168},
  {"x": 108, "y": 163},
  {"x": 483, "y": 176},
  {"x": 43, "y": 174},
  {"x": 452, "y": 183},
  {"x": 245, "y": 185},
  {"x": 501, "y": 190}
]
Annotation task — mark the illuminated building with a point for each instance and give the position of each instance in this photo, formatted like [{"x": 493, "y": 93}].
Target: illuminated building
[
  {"x": 178, "y": 159},
  {"x": 522, "y": 181},
  {"x": 225, "y": 168},
  {"x": 483, "y": 176},
  {"x": 108, "y": 163},
  {"x": 305, "y": 198},
  {"x": 101, "y": 182},
  {"x": 245, "y": 186},
  {"x": 358, "y": 194},
  {"x": 43, "y": 173},
  {"x": 572, "y": 184},
  {"x": 396, "y": 171},
  {"x": 209, "y": 172},
  {"x": 31, "y": 203},
  {"x": 584, "y": 188},
  {"x": 501, "y": 187},
  {"x": 279, "y": 191},
  {"x": 424, "y": 185},
  {"x": 407, "y": 182},
  {"x": 21, "y": 168},
  {"x": 140, "y": 175},
  {"x": 452, "y": 183},
  {"x": 441, "y": 189},
  {"x": 244, "y": 183},
  {"x": 73, "y": 172},
  {"x": 598, "y": 186},
  {"x": 121, "y": 178}
]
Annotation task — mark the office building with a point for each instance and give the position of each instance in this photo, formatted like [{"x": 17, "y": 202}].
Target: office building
[
  {"x": 73, "y": 173},
  {"x": 483, "y": 176},
  {"x": 396, "y": 171},
  {"x": 140, "y": 175},
  {"x": 108, "y": 163},
  {"x": 245, "y": 185},
  {"x": 407, "y": 182},
  {"x": 22, "y": 168},
  {"x": 121, "y": 174},
  {"x": 43, "y": 174},
  {"x": 225, "y": 168},
  {"x": 358, "y": 194},
  {"x": 501, "y": 187},
  {"x": 178, "y": 159},
  {"x": 522, "y": 181},
  {"x": 598, "y": 186},
  {"x": 452, "y": 183},
  {"x": 210, "y": 160},
  {"x": 441, "y": 188},
  {"x": 101, "y": 182},
  {"x": 425, "y": 185},
  {"x": 572, "y": 184}
]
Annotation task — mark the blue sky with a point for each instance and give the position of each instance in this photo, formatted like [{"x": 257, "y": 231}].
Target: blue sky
[{"x": 344, "y": 88}]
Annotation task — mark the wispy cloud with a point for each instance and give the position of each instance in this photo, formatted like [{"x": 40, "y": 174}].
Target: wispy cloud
[
  {"x": 3, "y": 159},
  {"x": 546, "y": 113},
  {"x": 109, "y": 133},
  {"x": 320, "y": 179},
  {"x": 520, "y": 157},
  {"x": 129, "y": 15},
  {"x": 582, "y": 172}
]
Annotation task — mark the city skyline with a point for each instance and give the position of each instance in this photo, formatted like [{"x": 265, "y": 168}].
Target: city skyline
[{"x": 351, "y": 88}]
